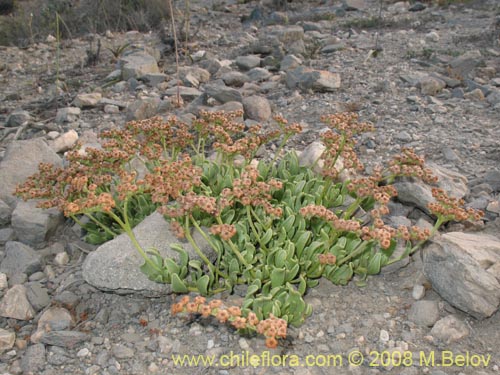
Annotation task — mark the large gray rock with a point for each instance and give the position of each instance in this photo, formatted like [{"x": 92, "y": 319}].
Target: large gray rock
[
  {"x": 312, "y": 79},
  {"x": 462, "y": 66},
  {"x": 33, "y": 361},
  {"x": 34, "y": 225},
  {"x": 114, "y": 266},
  {"x": 464, "y": 268},
  {"x": 419, "y": 194},
  {"x": 248, "y": 62},
  {"x": 223, "y": 94},
  {"x": 21, "y": 160},
  {"x": 15, "y": 304},
  {"x": 188, "y": 93},
  {"x": 64, "y": 339},
  {"x": 235, "y": 79},
  {"x": 137, "y": 65},
  {"x": 20, "y": 258}
]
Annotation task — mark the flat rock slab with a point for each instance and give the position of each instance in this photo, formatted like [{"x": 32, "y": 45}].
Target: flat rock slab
[
  {"x": 464, "y": 268},
  {"x": 115, "y": 265}
]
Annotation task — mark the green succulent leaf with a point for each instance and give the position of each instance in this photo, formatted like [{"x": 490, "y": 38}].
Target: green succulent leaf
[
  {"x": 375, "y": 264},
  {"x": 178, "y": 285},
  {"x": 202, "y": 284},
  {"x": 277, "y": 277}
]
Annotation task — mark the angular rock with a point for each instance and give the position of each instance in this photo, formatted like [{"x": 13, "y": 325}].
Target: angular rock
[
  {"x": 87, "y": 100},
  {"x": 5, "y": 213},
  {"x": 188, "y": 93},
  {"x": 114, "y": 266},
  {"x": 235, "y": 79},
  {"x": 154, "y": 79},
  {"x": 7, "y": 340},
  {"x": 137, "y": 65},
  {"x": 223, "y": 94},
  {"x": 142, "y": 109},
  {"x": 257, "y": 108},
  {"x": 56, "y": 319},
  {"x": 65, "y": 141},
  {"x": 18, "y": 117},
  {"x": 290, "y": 62},
  {"x": 492, "y": 178},
  {"x": 34, "y": 225},
  {"x": 258, "y": 74},
  {"x": 424, "y": 313},
  {"x": 15, "y": 304},
  {"x": 493, "y": 98},
  {"x": 211, "y": 65},
  {"x": 464, "y": 268},
  {"x": 311, "y": 79},
  {"x": 21, "y": 160},
  {"x": 20, "y": 258},
  {"x": 462, "y": 66},
  {"x": 417, "y": 7},
  {"x": 199, "y": 74},
  {"x": 248, "y": 62},
  {"x": 37, "y": 295},
  {"x": 68, "y": 114},
  {"x": 352, "y": 5},
  {"x": 64, "y": 339},
  {"x": 450, "y": 329},
  {"x": 33, "y": 361}
]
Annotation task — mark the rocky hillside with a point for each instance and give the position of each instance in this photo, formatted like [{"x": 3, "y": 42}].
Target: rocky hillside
[{"x": 426, "y": 75}]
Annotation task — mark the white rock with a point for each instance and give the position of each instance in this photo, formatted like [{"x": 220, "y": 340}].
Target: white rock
[
  {"x": 62, "y": 258},
  {"x": 65, "y": 142},
  {"x": 83, "y": 353},
  {"x": 418, "y": 292},
  {"x": 384, "y": 335}
]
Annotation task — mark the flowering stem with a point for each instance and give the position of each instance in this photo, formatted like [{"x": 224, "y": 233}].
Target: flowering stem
[
  {"x": 353, "y": 207},
  {"x": 195, "y": 246},
  {"x": 97, "y": 222},
  {"x": 254, "y": 230},
  {"x": 126, "y": 227},
  {"x": 204, "y": 235},
  {"x": 278, "y": 151},
  {"x": 233, "y": 246}
]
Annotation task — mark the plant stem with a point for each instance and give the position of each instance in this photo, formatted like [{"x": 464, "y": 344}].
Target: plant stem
[
  {"x": 352, "y": 208},
  {"x": 254, "y": 230},
  {"x": 359, "y": 250},
  {"x": 126, "y": 227},
  {"x": 101, "y": 225},
  {"x": 233, "y": 246},
  {"x": 196, "y": 248}
]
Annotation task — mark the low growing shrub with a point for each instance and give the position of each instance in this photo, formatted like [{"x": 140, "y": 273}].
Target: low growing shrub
[{"x": 275, "y": 226}]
